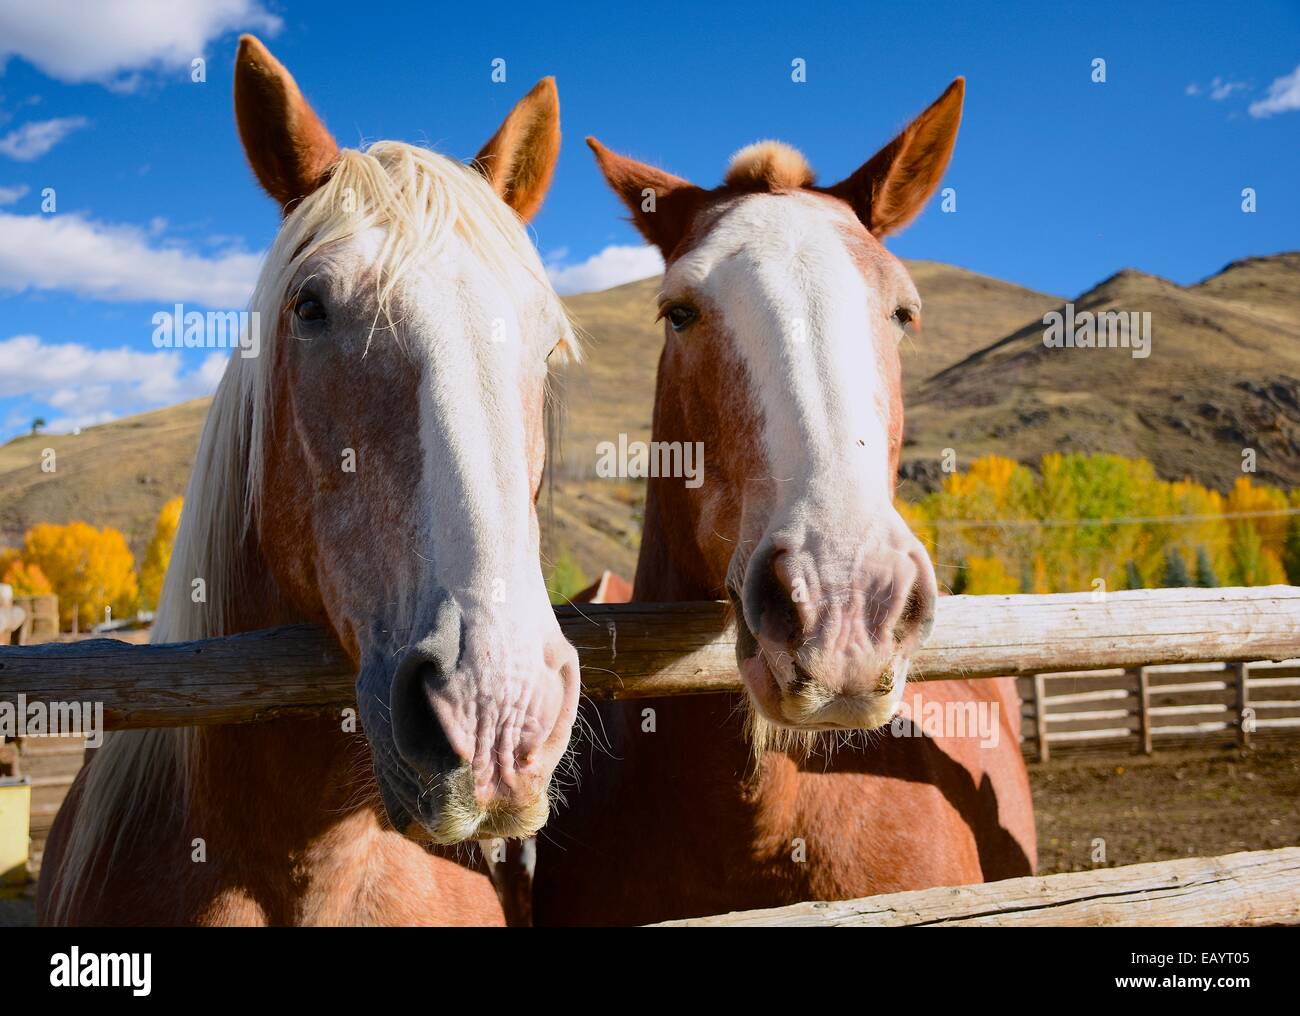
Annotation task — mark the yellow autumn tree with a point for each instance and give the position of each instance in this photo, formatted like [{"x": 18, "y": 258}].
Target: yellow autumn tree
[
  {"x": 1206, "y": 530},
  {"x": 1291, "y": 555},
  {"x": 918, "y": 521},
  {"x": 9, "y": 556},
  {"x": 979, "y": 515},
  {"x": 158, "y": 553},
  {"x": 986, "y": 575},
  {"x": 1041, "y": 581},
  {"x": 91, "y": 569},
  {"x": 27, "y": 579},
  {"x": 1259, "y": 533},
  {"x": 1082, "y": 517}
]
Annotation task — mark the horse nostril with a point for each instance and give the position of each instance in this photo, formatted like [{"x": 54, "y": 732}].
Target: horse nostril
[
  {"x": 417, "y": 732},
  {"x": 914, "y": 611},
  {"x": 424, "y": 669},
  {"x": 917, "y": 618},
  {"x": 771, "y": 600}
]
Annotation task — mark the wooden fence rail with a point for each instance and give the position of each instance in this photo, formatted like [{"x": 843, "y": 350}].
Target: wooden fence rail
[
  {"x": 1159, "y": 706},
  {"x": 1255, "y": 888},
  {"x": 648, "y": 650}
]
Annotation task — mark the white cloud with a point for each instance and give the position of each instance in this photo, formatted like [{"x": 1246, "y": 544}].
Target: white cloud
[
  {"x": 32, "y": 140},
  {"x": 91, "y": 40},
  {"x": 89, "y": 386},
  {"x": 111, "y": 262},
  {"x": 1221, "y": 89},
  {"x": 1283, "y": 96},
  {"x": 76, "y": 423},
  {"x": 613, "y": 266},
  {"x": 1192, "y": 89},
  {"x": 10, "y": 195}
]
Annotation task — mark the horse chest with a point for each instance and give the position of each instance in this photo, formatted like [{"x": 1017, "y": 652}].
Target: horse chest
[{"x": 677, "y": 830}]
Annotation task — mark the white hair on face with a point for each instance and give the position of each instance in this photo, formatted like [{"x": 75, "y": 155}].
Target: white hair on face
[
  {"x": 779, "y": 275},
  {"x": 420, "y": 200},
  {"x": 778, "y": 272}
]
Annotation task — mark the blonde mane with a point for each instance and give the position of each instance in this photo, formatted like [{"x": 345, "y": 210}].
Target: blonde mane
[{"x": 423, "y": 200}]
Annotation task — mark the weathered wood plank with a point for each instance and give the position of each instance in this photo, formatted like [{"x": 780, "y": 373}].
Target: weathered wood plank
[
  {"x": 1040, "y": 718},
  {"x": 1245, "y": 718},
  {"x": 1143, "y": 676},
  {"x": 1252, "y": 888},
  {"x": 648, "y": 650}
]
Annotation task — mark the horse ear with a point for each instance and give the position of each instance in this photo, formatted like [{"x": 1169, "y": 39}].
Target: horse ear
[
  {"x": 661, "y": 204},
  {"x": 892, "y": 187},
  {"x": 519, "y": 159},
  {"x": 287, "y": 145}
]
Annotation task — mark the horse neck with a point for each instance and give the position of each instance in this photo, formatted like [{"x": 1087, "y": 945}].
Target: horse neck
[
  {"x": 237, "y": 770},
  {"x": 671, "y": 565},
  {"x": 701, "y": 736}
]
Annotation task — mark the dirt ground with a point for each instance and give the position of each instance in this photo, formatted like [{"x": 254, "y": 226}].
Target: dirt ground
[
  {"x": 1192, "y": 803},
  {"x": 1172, "y": 804}
]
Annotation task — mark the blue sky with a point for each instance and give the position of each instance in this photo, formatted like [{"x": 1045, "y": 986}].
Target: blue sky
[{"x": 1060, "y": 180}]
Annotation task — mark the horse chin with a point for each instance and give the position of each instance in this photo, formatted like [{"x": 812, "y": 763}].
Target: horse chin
[
  {"x": 811, "y": 709},
  {"x": 489, "y": 827},
  {"x": 450, "y": 813}
]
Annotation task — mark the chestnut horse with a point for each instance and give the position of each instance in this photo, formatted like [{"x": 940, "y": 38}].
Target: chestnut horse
[
  {"x": 374, "y": 468},
  {"x": 783, "y": 314}
]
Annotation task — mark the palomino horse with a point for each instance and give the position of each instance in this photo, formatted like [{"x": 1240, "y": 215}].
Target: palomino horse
[
  {"x": 783, "y": 313},
  {"x": 374, "y": 469}
]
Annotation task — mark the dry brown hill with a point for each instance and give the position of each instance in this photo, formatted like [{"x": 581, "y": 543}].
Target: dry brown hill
[
  {"x": 1223, "y": 375},
  {"x": 1268, "y": 286},
  {"x": 963, "y": 311},
  {"x": 118, "y": 474}
]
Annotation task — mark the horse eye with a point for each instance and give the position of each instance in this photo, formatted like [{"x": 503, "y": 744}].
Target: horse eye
[
  {"x": 680, "y": 316},
  {"x": 903, "y": 316},
  {"x": 308, "y": 308}
]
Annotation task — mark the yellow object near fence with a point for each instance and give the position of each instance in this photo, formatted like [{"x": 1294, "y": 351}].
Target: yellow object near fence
[{"x": 15, "y": 812}]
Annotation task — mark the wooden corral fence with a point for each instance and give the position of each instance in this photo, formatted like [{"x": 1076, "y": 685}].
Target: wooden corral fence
[
  {"x": 1150, "y": 646},
  {"x": 633, "y": 650},
  {"x": 1144, "y": 708}
]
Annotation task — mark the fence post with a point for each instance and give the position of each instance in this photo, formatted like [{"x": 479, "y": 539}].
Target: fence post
[
  {"x": 1242, "y": 674},
  {"x": 1040, "y": 717},
  {"x": 1144, "y": 708}
]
